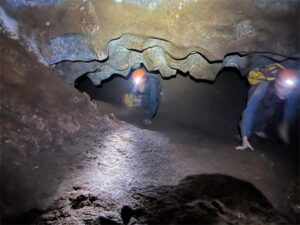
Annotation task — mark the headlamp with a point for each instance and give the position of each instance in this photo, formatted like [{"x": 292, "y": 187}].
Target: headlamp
[
  {"x": 288, "y": 78},
  {"x": 137, "y": 80},
  {"x": 290, "y": 82}
]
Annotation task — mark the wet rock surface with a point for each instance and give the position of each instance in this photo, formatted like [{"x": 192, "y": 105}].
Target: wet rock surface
[{"x": 63, "y": 162}]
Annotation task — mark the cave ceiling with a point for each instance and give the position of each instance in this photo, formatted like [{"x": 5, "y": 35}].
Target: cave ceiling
[{"x": 101, "y": 38}]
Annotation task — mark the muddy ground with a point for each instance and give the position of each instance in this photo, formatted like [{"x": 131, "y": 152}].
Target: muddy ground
[{"x": 68, "y": 160}]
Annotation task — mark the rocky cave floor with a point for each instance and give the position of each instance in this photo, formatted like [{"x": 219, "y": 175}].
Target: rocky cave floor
[
  {"x": 67, "y": 160},
  {"x": 125, "y": 175}
]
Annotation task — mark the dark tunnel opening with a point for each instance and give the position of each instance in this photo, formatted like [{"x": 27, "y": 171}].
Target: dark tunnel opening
[
  {"x": 186, "y": 102},
  {"x": 189, "y": 106}
]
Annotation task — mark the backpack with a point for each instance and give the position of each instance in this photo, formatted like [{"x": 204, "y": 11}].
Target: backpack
[{"x": 268, "y": 73}]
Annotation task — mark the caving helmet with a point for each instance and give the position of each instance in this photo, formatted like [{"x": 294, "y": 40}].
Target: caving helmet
[
  {"x": 138, "y": 75},
  {"x": 286, "y": 82},
  {"x": 288, "y": 78}
]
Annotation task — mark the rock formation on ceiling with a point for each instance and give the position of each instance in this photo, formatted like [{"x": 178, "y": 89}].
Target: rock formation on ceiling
[{"x": 109, "y": 37}]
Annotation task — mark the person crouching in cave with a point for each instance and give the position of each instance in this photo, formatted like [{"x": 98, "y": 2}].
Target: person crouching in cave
[
  {"x": 271, "y": 87},
  {"x": 147, "y": 85}
]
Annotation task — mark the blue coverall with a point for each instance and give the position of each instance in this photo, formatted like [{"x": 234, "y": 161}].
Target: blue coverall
[
  {"x": 262, "y": 103},
  {"x": 150, "y": 95}
]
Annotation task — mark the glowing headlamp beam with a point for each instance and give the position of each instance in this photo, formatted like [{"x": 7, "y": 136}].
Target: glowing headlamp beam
[
  {"x": 137, "y": 80},
  {"x": 290, "y": 82}
]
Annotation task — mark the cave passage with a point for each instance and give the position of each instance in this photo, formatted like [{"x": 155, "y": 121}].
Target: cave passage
[
  {"x": 187, "y": 107},
  {"x": 204, "y": 117},
  {"x": 69, "y": 160},
  {"x": 72, "y": 152}
]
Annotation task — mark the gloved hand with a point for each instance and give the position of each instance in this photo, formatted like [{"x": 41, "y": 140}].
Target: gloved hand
[
  {"x": 245, "y": 144},
  {"x": 283, "y": 132}
]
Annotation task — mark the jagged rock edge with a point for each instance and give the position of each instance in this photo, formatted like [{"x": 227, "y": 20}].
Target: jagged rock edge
[
  {"x": 187, "y": 50},
  {"x": 124, "y": 72}
]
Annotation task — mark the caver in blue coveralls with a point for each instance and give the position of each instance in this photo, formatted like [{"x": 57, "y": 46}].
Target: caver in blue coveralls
[
  {"x": 150, "y": 95},
  {"x": 262, "y": 103}
]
